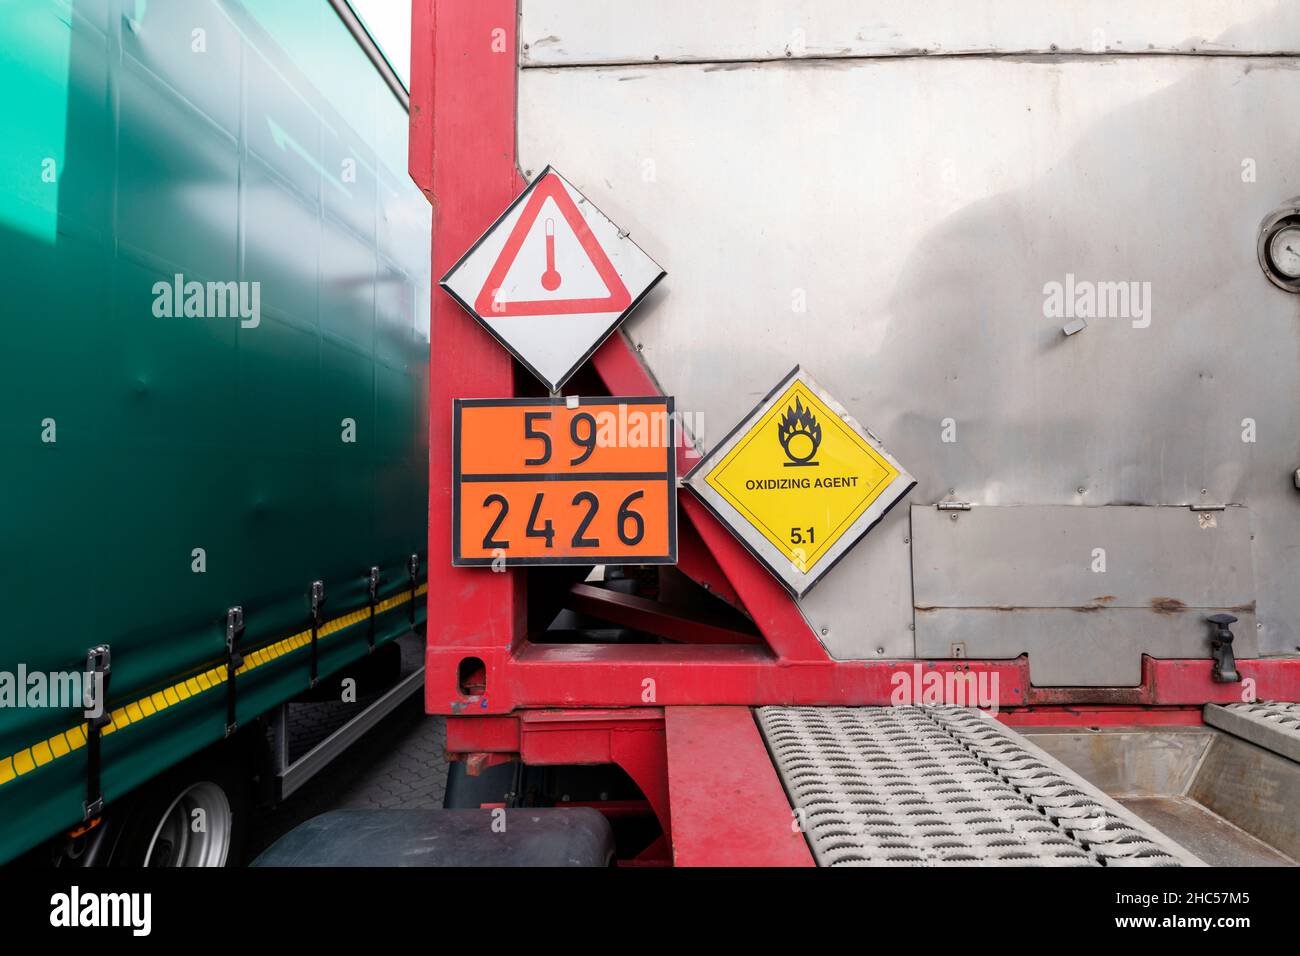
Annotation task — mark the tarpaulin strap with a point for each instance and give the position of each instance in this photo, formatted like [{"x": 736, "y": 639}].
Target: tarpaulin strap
[
  {"x": 413, "y": 568},
  {"x": 234, "y": 661},
  {"x": 99, "y": 665},
  {"x": 374, "y": 599},
  {"x": 62, "y": 744},
  {"x": 317, "y": 603}
]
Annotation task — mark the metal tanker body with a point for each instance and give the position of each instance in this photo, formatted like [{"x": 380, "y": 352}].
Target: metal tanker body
[{"x": 980, "y": 327}]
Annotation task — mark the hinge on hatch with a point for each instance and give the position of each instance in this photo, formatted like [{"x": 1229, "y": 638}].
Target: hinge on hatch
[{"x": 953, "y": 505}]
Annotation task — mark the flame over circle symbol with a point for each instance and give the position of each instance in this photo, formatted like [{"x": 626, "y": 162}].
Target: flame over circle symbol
[{"x": 800, "y": 434}]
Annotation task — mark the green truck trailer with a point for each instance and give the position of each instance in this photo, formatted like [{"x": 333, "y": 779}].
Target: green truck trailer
[{"x": 213, "y": 403}]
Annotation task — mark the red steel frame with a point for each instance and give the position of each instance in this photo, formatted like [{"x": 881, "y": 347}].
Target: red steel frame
[{"x": 572, "y": 704}]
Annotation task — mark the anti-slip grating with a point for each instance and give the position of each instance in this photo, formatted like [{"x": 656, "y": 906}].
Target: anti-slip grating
[
  {"x": 940, "y": 786},
  {"x": 1270, "y": 724},
  {"x": 1275, "y": 713}
]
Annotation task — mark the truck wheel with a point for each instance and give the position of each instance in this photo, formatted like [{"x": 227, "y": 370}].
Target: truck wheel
[{"x": 195, "y": 815}]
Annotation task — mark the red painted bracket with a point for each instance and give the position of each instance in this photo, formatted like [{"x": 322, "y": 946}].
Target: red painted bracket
[
  {"x": 705, "y": 772},
  {"x": 632, "y": 739},
  {"x": 652, "y": 617}
]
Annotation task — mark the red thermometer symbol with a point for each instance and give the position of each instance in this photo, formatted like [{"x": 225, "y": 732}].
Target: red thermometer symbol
[{"x": 550, "y": 278}]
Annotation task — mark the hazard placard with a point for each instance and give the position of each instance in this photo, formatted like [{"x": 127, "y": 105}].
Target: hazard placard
[
  {"x": 799, "y": 481},
  {"x": 552, "y": 278},
  {"x": 564, "y": 481}
]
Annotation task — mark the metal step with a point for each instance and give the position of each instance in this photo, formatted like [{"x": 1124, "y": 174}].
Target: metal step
[
  {"x": 940, "y": 786},
  {"x": 1272, "y": 725}
]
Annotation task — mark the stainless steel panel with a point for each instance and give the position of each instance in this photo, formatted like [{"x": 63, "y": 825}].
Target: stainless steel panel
[
  {"x": 598, "y": 31},
  {"x": 1157, "y": 559},
  {"x": 1124, "y": 763},
  {"x": 1069, "y": 648},
  {"x": 891, "y": 224},
  {"x": 1007, "y": 581},
  {"x": 854, "y": 621},
  {"x": 1253, "y": 788},
  {"x": 1205, "y": 833}
]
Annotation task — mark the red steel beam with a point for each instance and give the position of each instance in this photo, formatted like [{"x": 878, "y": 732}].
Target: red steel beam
[
  {"x": 728, "y": 805},
  {"x": 619, "y": 675},
  {"x": 642, "y": 614},
  {"x": 462, "y": 157}
]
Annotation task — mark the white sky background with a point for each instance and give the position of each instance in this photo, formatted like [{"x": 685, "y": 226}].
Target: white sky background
[{"x": 389, "y": 23}]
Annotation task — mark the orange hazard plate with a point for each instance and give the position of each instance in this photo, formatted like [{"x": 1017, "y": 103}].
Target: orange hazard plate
[{"x": 564, "y": 481}]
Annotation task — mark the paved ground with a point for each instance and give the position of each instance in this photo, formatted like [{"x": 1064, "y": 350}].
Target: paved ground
[{"x": 399, "y": 763}]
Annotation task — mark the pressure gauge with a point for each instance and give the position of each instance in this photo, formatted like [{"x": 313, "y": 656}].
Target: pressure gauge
[
  {"x": 1279, "y": 246},
  {"x": 1284, "y": 251}
]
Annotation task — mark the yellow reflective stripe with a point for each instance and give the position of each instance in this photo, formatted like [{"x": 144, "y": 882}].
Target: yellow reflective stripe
[{"x": 65, "y": 742}]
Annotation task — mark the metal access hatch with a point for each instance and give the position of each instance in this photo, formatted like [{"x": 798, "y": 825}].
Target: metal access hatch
[{"x": 1085, "y": 592}]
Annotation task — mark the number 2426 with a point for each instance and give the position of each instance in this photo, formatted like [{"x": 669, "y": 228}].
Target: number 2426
[{"x": 546, "y": 531}]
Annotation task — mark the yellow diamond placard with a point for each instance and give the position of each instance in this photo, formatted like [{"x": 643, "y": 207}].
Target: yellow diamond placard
[{"x": 799, "y": 481}]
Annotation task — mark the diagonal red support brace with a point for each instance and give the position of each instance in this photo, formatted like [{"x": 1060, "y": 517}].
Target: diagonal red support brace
[{"x": 652, "y": 617}]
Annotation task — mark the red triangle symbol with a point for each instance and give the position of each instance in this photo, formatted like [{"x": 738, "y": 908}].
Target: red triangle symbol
[{"x": 551, "y": 187}]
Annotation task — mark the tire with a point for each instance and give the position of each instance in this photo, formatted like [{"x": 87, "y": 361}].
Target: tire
[{"x": 156, "y": 826}]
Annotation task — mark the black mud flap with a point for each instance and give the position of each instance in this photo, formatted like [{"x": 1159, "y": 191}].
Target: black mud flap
[{"x": 579, "y": 836}]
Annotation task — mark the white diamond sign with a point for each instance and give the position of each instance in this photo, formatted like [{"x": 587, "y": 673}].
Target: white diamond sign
[{"x": 552, "y": 278}]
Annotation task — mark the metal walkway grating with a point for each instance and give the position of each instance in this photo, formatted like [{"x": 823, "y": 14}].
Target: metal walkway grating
[
  {"x": 1270, "y": 724},
  {"x": 939, "y": 786}
]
